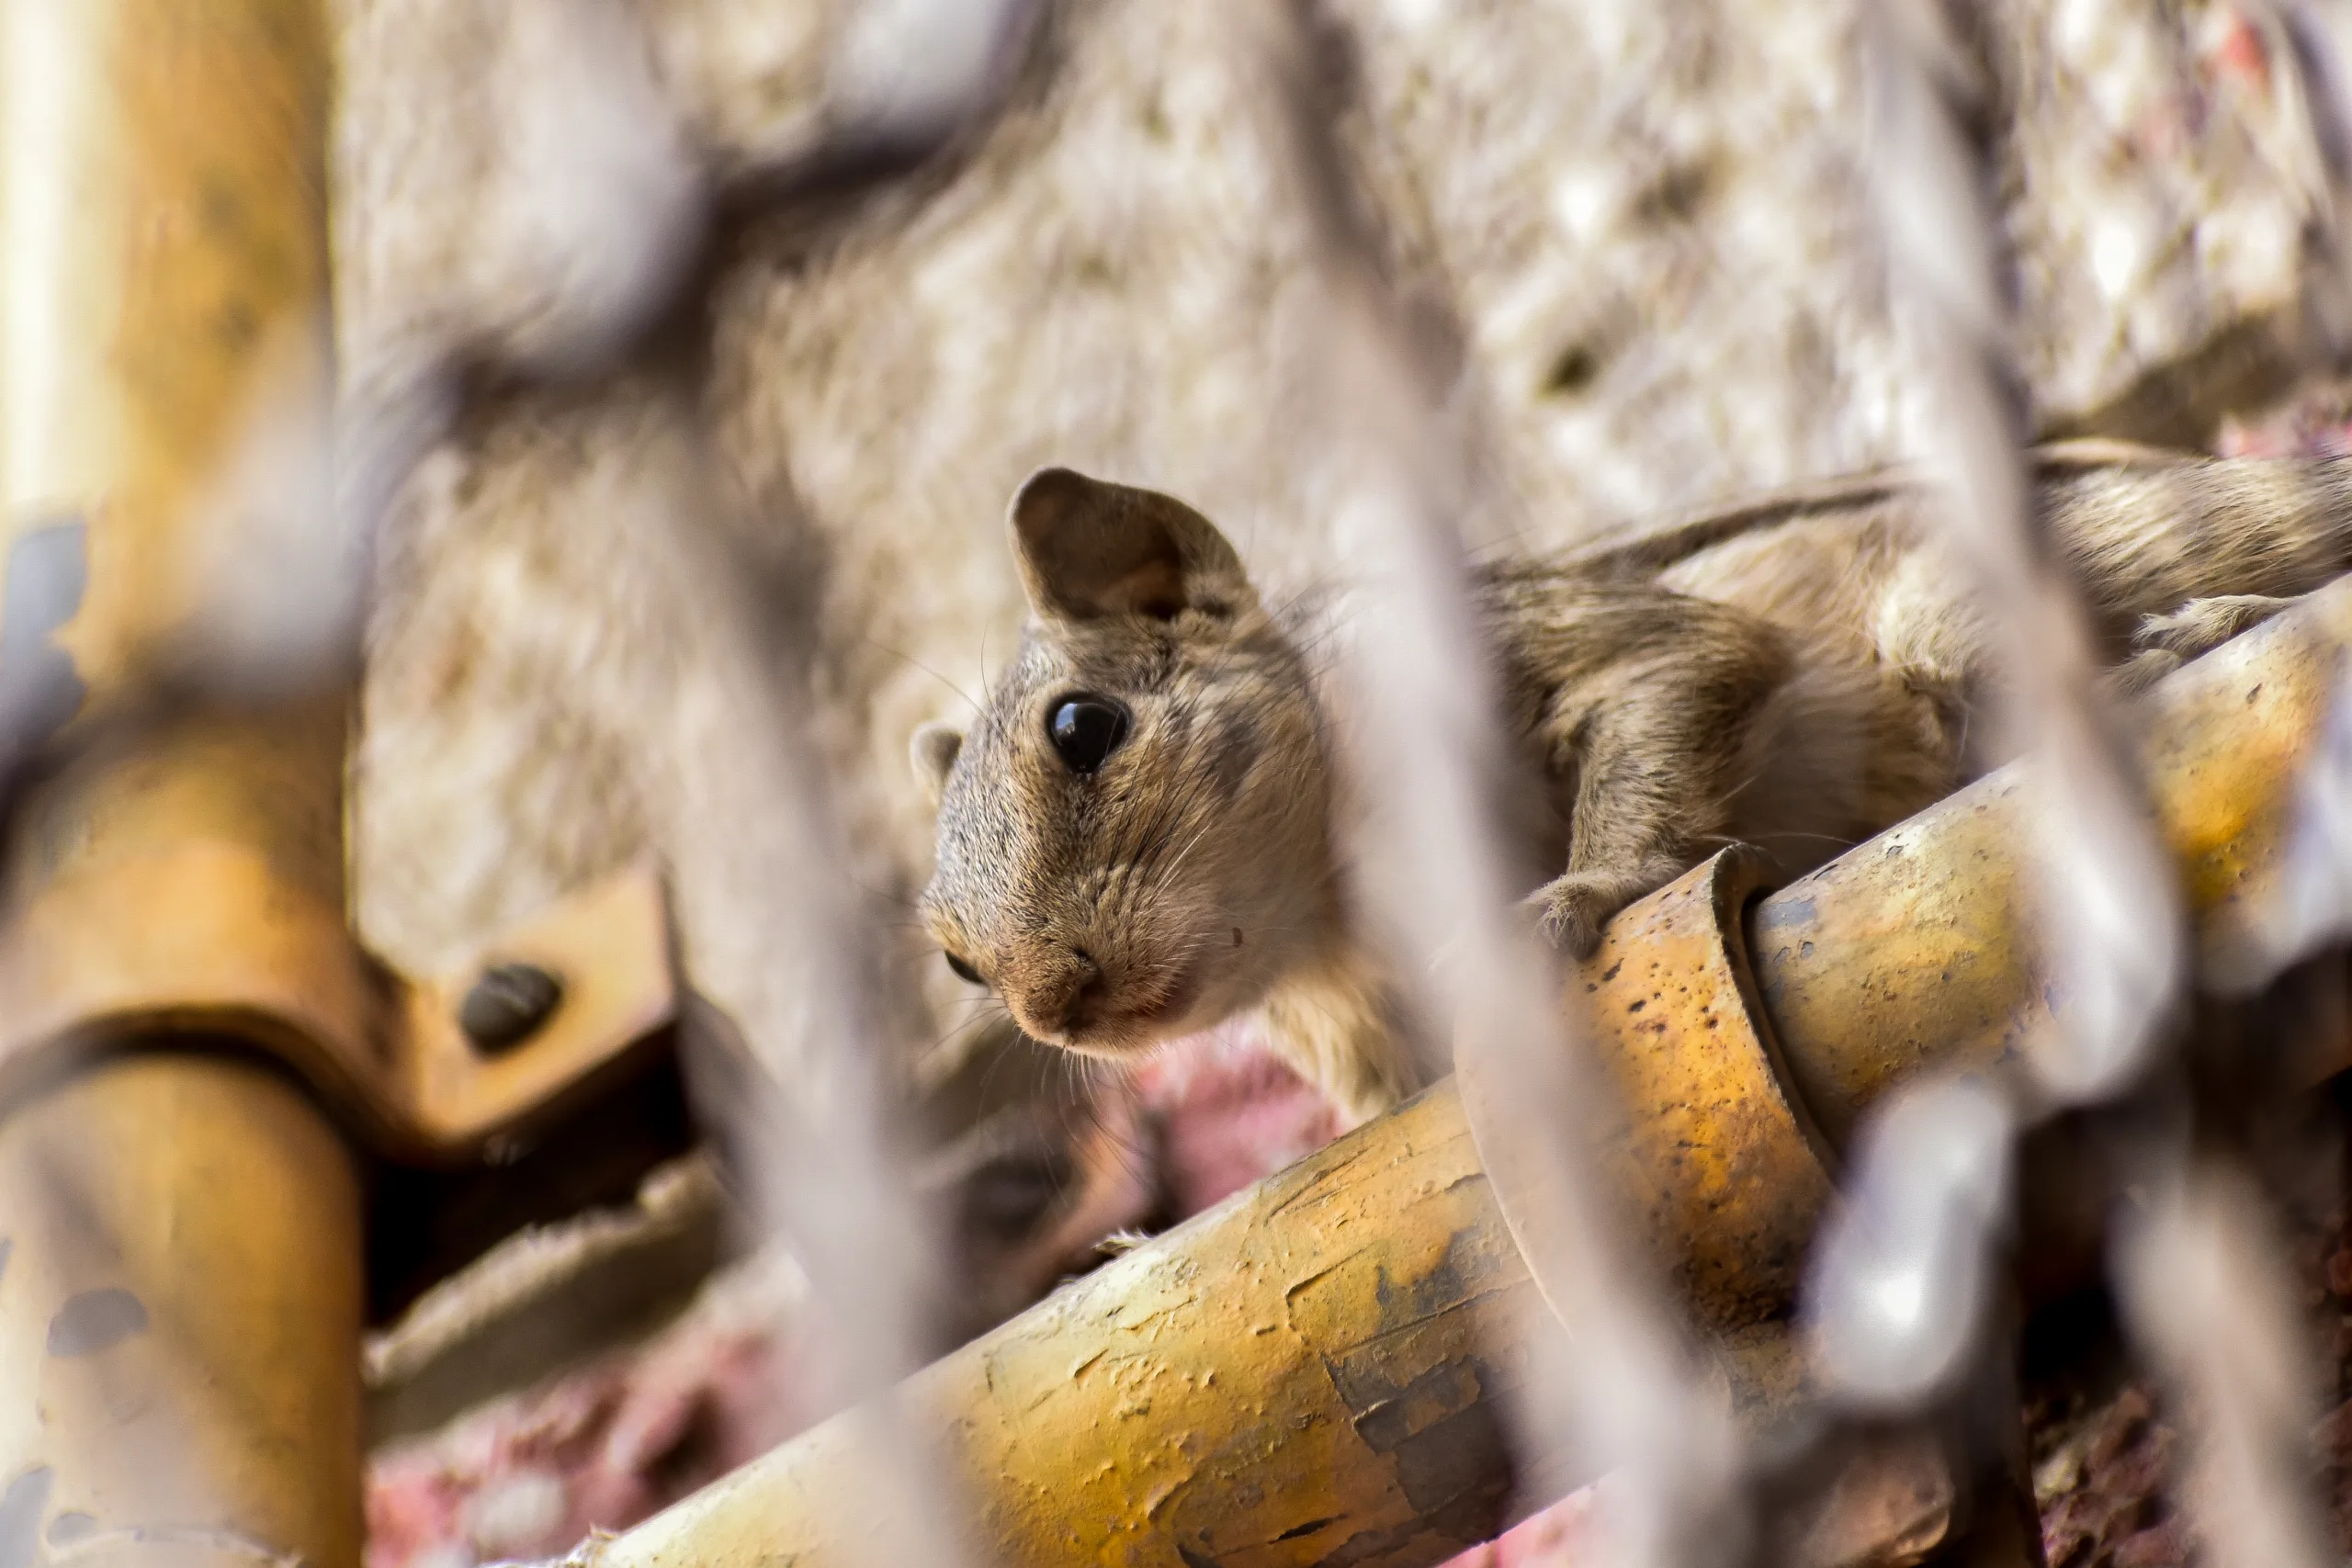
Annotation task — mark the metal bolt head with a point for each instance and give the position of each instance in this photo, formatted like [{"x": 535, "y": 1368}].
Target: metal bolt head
[{"x": 507, "y": 1006}]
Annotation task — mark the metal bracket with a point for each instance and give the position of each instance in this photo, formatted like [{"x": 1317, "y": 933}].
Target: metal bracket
[{"x": 249, "y": 953}]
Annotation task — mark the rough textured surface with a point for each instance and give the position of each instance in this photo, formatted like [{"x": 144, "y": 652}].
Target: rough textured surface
[
  {"x": 1647, "y": 227},
  {"x": 2160, "y": 180},
  {"x": 2104, "y": 1489}
]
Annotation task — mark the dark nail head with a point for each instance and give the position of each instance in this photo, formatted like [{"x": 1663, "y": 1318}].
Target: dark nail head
[{"x": 507, "y": 1006}]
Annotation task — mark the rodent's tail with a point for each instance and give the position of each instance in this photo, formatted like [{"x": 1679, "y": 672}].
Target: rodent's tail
[{"x": 2145, "y": 539}]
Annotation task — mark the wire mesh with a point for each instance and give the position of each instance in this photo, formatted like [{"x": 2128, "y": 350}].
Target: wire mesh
[{"x": 1908, "y": 1303}]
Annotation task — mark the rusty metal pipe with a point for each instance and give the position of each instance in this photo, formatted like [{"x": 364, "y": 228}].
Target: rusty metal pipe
[{"x": 1309, "y": 1374}]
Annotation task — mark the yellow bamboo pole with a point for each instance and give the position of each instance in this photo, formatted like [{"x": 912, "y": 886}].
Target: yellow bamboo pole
[
  {"x": 179, "y": 1306},
  {"x": 179, "y": 1319}
]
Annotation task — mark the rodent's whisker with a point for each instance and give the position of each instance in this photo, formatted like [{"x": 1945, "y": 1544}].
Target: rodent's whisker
[
  {"x": 906, "y": 658},
  {"x": 897, "y": 900}
]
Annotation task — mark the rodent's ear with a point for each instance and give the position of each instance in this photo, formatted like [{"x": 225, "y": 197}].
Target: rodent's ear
[
  {"x": 1089, "y": 548},
  {"x": 933, "y": 751}
]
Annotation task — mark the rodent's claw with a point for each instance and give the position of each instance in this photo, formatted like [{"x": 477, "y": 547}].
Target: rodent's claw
[
  {"x": 1571, "y": 910},
  {"x": 2162, "y": 644}
]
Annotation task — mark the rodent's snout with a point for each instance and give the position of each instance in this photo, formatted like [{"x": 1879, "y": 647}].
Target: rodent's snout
[
  {"x": 1083, "y": 998},
  {"x": 1060, "y": 993},
  {"x": 1056, "y": 990}
]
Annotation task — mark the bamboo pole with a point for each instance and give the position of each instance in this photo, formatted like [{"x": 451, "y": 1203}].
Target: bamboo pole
[{"x": 180, "y": 1232}]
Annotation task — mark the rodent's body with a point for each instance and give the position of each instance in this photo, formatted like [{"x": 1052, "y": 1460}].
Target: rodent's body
[{"x": 1798, "y": 675}]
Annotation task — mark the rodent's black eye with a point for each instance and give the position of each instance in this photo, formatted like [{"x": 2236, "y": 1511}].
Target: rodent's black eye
[
  {"x": 965, "y": 970},
  {"x": 1086, "y": 729}
]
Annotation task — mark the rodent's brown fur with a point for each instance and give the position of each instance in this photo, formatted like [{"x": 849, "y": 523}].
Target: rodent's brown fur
[{"x": 1797, "y": 674}]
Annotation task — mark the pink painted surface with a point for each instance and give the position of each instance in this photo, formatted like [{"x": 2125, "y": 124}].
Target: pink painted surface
[
  {"x": 605, "y": 1446},
  {"x": 1569, "y": 1534}
]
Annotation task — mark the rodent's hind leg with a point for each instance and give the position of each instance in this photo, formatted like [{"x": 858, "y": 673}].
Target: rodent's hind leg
[{"x": 2162, "y": 644}]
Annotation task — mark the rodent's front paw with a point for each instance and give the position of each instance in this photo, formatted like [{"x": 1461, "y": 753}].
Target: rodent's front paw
[{"x": 1571, "y": 910}]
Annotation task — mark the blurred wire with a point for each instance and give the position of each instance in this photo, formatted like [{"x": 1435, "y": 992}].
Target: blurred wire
[
  {"x": 819, "y": 1151},
  {"x": 601, "y": 224},
  {"x": 883, "y": 94},
  {"x": 2109, "y": 909},
  {"x": 2311, "y": 909},
  {"x": 591, "y": 207},
  {"x": 2210, "y": 1299},
  {"x": 1422, "y": 745},
  {"x": 1930, "y": 1190},
  {"x": 1930, "y": 1208},
  {"x": 592, "y": 236},
  {"x": 1904, "y": 1271}
]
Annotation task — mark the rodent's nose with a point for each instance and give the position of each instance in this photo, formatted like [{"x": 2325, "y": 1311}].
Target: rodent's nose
[
  {"x": 1084, "y": 993},
  {"x": 1055, "y": 988}
]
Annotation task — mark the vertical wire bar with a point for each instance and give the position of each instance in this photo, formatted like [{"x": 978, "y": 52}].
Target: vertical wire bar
[
  {"x": 813, "y": 1119},
  {"x": 2110, "y": 906},
  {"x": 1420, "y": 738}
]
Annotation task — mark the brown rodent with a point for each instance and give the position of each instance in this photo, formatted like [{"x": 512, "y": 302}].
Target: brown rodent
[{"x": 1138, "y": 838}]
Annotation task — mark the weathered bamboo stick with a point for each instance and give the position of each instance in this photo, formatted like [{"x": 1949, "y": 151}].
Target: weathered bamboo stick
[{"x": 180, "y": 1232}]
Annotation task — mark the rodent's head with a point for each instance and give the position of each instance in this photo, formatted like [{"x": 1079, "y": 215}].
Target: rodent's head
[{"x": 1134, "y": 839}]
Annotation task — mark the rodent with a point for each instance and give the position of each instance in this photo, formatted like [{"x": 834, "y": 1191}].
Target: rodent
[{"x": 1139, "y": 836}]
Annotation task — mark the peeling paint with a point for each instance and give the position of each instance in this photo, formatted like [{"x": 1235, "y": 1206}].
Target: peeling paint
[
  {"x": 20, "y": 1510},
  {"x": 1351, "y": 1360},
  {"x": 92, "y": 1322}
]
